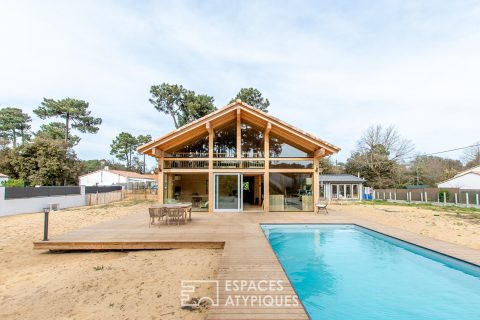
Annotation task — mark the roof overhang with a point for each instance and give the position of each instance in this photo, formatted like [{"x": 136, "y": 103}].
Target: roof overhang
[{"x": 249, "y": 114}]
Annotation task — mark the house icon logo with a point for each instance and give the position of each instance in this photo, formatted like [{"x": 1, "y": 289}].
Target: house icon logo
[{"x": 192, "y": 293}]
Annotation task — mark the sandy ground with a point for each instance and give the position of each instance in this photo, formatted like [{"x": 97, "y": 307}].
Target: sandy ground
[
  {"x": 104, "y": 285},
  {"x": 446, "y": 226},
  {"x": 145, "y": 284}
]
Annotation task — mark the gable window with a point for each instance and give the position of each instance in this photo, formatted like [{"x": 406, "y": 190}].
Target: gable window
[
  {"x": 225, "y": 141},
  {"x": 279, "y": 148},
  {"x": 252, "y": 141}
]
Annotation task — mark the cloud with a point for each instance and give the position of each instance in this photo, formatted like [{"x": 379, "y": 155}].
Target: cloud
[{"x": 332, "y": 68}]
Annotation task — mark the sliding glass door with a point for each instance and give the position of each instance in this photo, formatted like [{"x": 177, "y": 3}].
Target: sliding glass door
[{"x": 228, "y": 192}]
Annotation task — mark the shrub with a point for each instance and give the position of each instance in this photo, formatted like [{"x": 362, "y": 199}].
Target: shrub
[
  {"x": 13, "y": 183},
  {"x": 442, "y": 193}
]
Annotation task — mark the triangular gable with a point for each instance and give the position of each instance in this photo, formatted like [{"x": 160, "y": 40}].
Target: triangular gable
[{"x": 228, "y": 113}]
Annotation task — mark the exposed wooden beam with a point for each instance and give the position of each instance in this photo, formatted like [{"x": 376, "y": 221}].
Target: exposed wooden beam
[
  {"x": 210, "y": 167},
  {"x": 268, "y": 128},
  {"x": 160, "y": 182},
  {"x": 157, "y": 152},
  {"x": 239, "y": 133},
  {"x": 319, "y": 153},
  {"x": 209, "y": 127}
]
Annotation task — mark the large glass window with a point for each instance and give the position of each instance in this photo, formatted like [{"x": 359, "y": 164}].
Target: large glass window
[
  {"x": 291, "y": 164},
  {"x": 355, "y": 191},
  {"x": 291, "y": 192},
  {"x": 334, "y": 191},
  {"x": 279, "y": 148},
  {"x": 252, "y": 141},
  {"x": 197, "y": 148},
  {"x": 225, "y": 141},
  {"x": 227, "y": 192},
  {"x": 187, "y": 187}
]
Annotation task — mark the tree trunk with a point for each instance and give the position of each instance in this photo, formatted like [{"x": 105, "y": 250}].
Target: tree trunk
[
  {"x": 67, "y": 123},
  {"x": 144, "y": 163},
  {"x": 14, "y": 138},
  {"x": 174, "y": 120}
]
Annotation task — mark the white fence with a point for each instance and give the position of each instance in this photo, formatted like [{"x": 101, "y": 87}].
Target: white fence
[
  {"x": 436, "y": 196},
  {"x": 36, "y": 204}
]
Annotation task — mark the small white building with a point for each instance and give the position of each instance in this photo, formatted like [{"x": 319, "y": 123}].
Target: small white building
[
  {"x": 465, "y": 180},
  {"x": 341, "y": 187},
  {"x": 3, "y": 177},
  {"x": 107, "y": 177}
]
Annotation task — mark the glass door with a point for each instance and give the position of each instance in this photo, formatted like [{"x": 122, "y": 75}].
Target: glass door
[{"x": 228, "y": 192}]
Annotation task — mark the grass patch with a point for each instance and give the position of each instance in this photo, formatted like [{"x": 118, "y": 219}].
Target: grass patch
[{"x": 471, "y": 212}]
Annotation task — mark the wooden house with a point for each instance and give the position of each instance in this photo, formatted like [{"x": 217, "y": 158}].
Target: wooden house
[{"x": 239, "y": 158}]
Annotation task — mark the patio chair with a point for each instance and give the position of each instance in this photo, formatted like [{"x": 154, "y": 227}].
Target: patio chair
[
  {"x": 175, "y": 214},
  {"x": 322, "y": 206},
  {"x": 155, "y": 213}
]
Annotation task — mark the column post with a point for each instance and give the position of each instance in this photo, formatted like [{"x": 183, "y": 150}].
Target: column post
[
  {"x": 239, "y": 134},
  {"x": 266, "y": 176},
  {"x": 210, "y": 168},
  {"x": 316, "y": 183},
  {"x": 160, "y": 182}
]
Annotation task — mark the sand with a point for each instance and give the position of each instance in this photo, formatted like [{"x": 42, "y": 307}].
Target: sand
[
  {"x": 145, "y": 284},
  {"x": 104, "y": 285},
  {"x": 463, "y": 230}
]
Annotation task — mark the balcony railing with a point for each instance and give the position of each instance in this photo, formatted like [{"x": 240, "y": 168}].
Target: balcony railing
[
  {"x": 185, "y": 164},
  {"x": 217, "y": 164},
  {"x": 187, "y": 155},
  {"x": 238, "y": 164}
]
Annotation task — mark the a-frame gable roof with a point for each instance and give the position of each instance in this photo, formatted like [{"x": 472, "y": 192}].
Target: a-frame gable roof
[{"x": 220, "y": 117}]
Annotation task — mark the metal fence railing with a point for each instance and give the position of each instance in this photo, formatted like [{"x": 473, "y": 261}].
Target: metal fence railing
[
  {"x": 101, "y": 189},
  {"x": 34, "y": 192}
]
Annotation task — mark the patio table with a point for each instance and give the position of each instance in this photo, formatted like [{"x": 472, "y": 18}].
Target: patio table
[{"x": 186, "y": 206}]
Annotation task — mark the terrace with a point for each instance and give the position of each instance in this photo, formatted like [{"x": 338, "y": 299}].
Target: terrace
[{"x": 247, "y": 254}]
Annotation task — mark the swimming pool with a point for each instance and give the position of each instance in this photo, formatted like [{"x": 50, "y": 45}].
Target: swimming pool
[{"x": 349, "y": 272}]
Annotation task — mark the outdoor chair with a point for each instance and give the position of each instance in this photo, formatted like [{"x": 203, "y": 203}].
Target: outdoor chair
[
  {"x": 322, "y": 206},
  {"x": 175, "y": 214},
  {"x": 155, "y": 213}
]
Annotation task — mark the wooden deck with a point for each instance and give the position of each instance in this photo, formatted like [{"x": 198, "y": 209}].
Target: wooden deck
[{"x": 246, "y": 252}]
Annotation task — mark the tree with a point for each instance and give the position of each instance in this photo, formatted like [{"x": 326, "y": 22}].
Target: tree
[
  {"x": 74, "y": 112},
  {"x": 195, "y": 107},
  {"x": 41, "y": 162},
  {"x": 471, "y": 155},
  {"x": 378, "y": 157},
  {"x": 97, "y": 164},
  {"x": 392, "y": 144},
  {"x": 430, "y": 170},
  {"x": 57, "y": 130},
  {"x": 253, "y": 97},
  {"x": 143, "y": 139},
  {"x": 14, "y": 123},
  {"x": 123, "y": 147},
  {"x": 181, "y": 104},
  {"x": 328, "y": 167}
]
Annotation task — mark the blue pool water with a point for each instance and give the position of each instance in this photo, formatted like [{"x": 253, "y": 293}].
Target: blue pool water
[{"x": 348, "y": 272}]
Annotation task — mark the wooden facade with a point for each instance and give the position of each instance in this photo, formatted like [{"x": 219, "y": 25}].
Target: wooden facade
[{"x": 224, "y": 150}]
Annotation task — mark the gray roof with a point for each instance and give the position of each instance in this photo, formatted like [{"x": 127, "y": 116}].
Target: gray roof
[{"x": 340, "y": 178}]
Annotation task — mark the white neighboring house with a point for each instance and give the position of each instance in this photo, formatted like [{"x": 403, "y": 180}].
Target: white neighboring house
[
  {"x": 341, "y": 187},
  {"x": 465, "y": 180},
  {"x": 3, "y": 177},
  {"x": 107, "y": 177}
]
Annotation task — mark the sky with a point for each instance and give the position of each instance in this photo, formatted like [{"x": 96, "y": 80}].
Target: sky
[{"x": 332, "y": 68}]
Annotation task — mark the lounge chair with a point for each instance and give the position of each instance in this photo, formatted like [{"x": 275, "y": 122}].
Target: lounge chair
[{"x": 322, "y": 206}]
